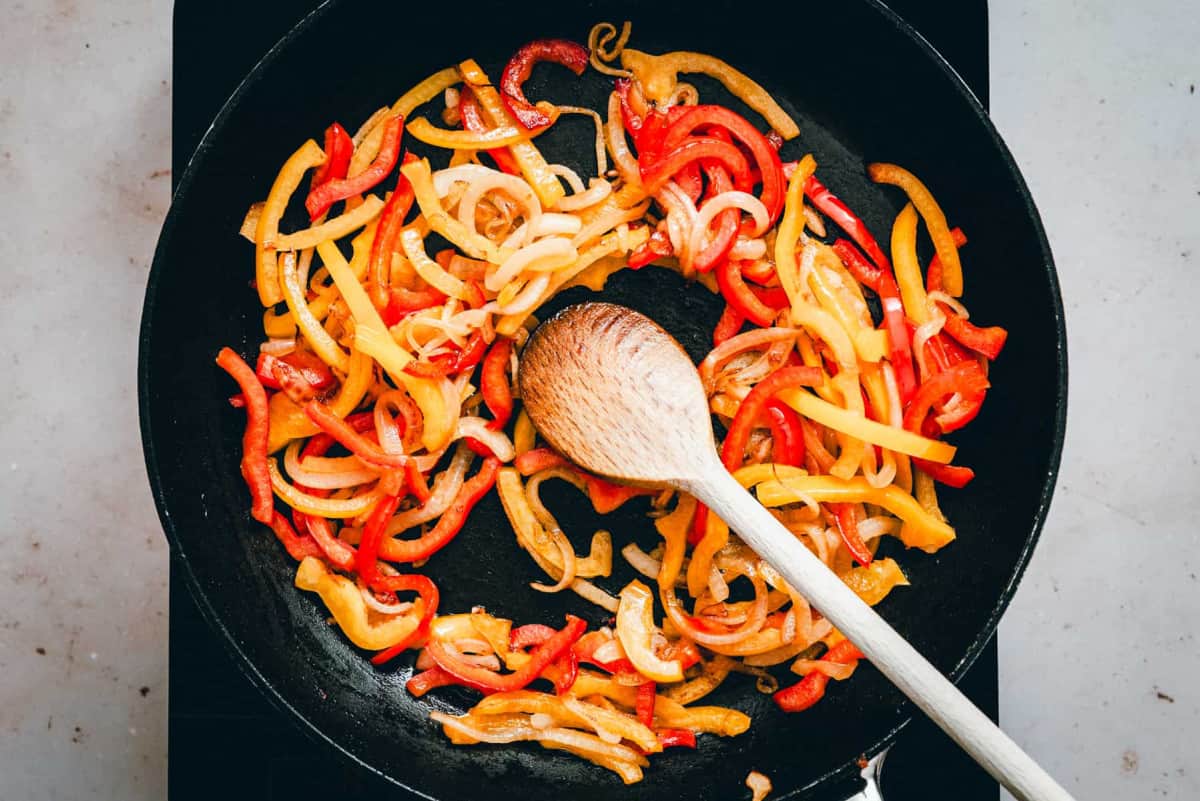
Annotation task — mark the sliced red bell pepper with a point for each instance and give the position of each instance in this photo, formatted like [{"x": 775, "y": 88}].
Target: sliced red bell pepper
[
  {"x": 296, "y": 545},
  {"x": 427, "y": 680},
  {"x": 339, "y": 149},
  {"x": 472, "y": 119},
  {"x": 366, "y": 563},
  {"x": 740, "y": 297},
  {"x": 490, "y": 681},
  {"x": 571, "y": 55},
  {"x": 403, "y": 302},
  {"x": 672, "y": 738},
  {"x": 761, "y": 272},
  {"x": 450, "y": 363},
  {"x": 565, "y": 670},
  {"x": 727, "y": 222},
  {"x": 314, "y": 371},
  {"x": 847, "y": 525},
  {"x": 658, "y": 246},
  {"x": 451, "y": 521},
  {"x": 730, "y": 323},
  {"x": 352, "y": 440},
  {"x": 857, "y": 264},
  {"x": 416, "y": 481},
  {"x": 810, "y": 689},
  {"x": 604, "y": 495},
  {"x": 428, "y": 591},
  {"x": 630, "y": 116},
  {"x": 832, "y": 207},
  {"x": 734, "y": 446},
  {"x": 786, "y": 434},
  {"x": 493, "y": 383},
  {"x": 322, "y": 197},
  {"x": 646, "y": 694},
  {"x": 774, "y": 188},
  {"x": 391, "y": 222},
  {"x": 966, "y": 379},
  {"x": 949, "y": 474},
  {"x": 254, "y": 440},
  {"x": 694, "y": 149}
]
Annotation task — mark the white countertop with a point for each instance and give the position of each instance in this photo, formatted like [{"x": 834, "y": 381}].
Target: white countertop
[{"x": 1098, "y": 653}]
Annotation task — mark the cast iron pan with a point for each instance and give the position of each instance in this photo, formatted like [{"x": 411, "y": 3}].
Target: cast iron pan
[{"x": 863, "y": 87}]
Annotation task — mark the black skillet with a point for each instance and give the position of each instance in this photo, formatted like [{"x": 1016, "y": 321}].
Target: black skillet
[{"x": 863, "y": 87}]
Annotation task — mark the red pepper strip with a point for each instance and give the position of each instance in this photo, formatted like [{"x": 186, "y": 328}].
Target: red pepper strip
[
  {"x": 427, "y": 680},
  {"x": 428, "y": 592},
  {"x": 366, "y": 563},
  {"x": 949, "y": 474},
  {"x": 321, "y": 198},
  {"x": 450, "y": 364},
  {"x": 811, "y": 688},
  {"x": 561, "y": 51},
  {"x": 489, "y": 681},
  {"x": 685, "y": 738},
  {"x": 685, "y": 651},
  {"x": 933, "y": 278},
  {"x": 416, "y": 481},
  {"x": 339, "y": 148},
  {"x": 760, "y": 272},
  {"x": 645, "y": 703},
  {"x": 841, "y": 215},
  {"x": 734, "y": 447},
  {"x": 292, "y": 382},
  {"x": 730, "y": 323},
  {"x": 391, "y": 221},
  {"x": 254, "y": 440},
  {"x": 695, "y": 149},
  {"x": 296, "y": 545},
  {"x": 739, "y": 296},
  {"x": 774, "y": 188},
  {"x": 857, "y": 264},
  {"x": 337, "y": 552},
  {"x": 847, "y": 524},
  {"x": 468, "y": 109},
  {"x": 566, "y": 669},
  {"x": 986, "y": 341},
  {"x": 649, "y": 140},
  {"x": 353, "y": 441},
  {"x": 727, "y": 222},
  {"x": 403, "y": 302},
  {"x": 786, "y": 434},
  {"x": 451, "y": 521},
  {"x": 629, "y": 116},
  {"x": 585, "y": 651},
  {"x": 566, "y": 674},
  {"x": 314, "y": 371},
  {"x": 966, "y": 379},
  {"x": 475, "y": 298},
  {"x": 658, "y": 246},
  {"x": 529, "y": 635},
  {"x": 493, "y": 383},
  {"x": 604, "y": 495}
]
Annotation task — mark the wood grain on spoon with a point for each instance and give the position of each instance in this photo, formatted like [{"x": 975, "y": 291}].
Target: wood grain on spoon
[{"x": 612, "y": 391}]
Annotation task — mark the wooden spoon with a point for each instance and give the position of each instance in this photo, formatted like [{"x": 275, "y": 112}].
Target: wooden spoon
[{"x": 611, "y": 390}]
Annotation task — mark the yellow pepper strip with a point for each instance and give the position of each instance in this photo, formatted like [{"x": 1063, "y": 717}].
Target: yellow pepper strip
[
  {"x": 596, "y": 275},
  {"x": 760, "y": 642},
  {"x": 717, "y": 720},
  {"x": 935, "y": 221},
  {"x": 674, "y": 529},
  {"x": 495, "y": 630},
  {"x": 754, "y": 474},
  {"x": 537, "y": 542},
  {"x": 288, "y": 421},
  {"x": 372, "y": 338},
  {"x": 908, "y": 270},
  {"x": 715, "y": 672},
  {"x": 533, "y": 166},
  {"x": 504, "y": 136},
  {"x": 919, "y": 530},
  {"x": 278, "y": 326},
  {"x": 524, "y": 434},
  {"x": 716, "y": 537},
  {"x": 856, "y": 425},
  {"x": 636, "y": 629},
  {"x": 427, "y": 268},
  {"x": 834, "y": 297},
  {"x": 791, "y": 226},
  {"x": 591, "y": 683},
  {"x": 926, "y": 494},
  {"x": 325, "y": 507},
  {"x": 344, "y": 601},
  {"x": 338, "y": 227},
  {"x": 266, "y": 275},
  {"x": 608, "y": 244},
  {"x": 474, "y": 245},
  {"x": 320, "y": 340},
  {"x": 529, "y": 702},
  {"x": 425, "y": 91},
  {"x": 658, "y": 76},
  {"x": 873, "y": 582}
]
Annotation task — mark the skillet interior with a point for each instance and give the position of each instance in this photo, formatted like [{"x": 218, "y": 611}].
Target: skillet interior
[{"x": 878, "y": 96}]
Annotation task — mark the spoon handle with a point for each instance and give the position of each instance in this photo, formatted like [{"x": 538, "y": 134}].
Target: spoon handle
[{"x": 886, "y": 649}]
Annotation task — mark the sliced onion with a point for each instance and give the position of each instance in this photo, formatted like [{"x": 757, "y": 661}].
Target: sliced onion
[
  {"x": 382, "y": 607},
  {"x": 748, "y": 249},
  {"x": 601, "y": 161},
  {"x": 476, "y": 428},
  {"x": 607, "y": 222},
  {"x": 732, "y": 199},
  {"x": 313, "y": 479},
  {"x": 445, "y": 489},
  {"x": 610, "y": 651},
  {"x": 583, "y": 711},
  {"x": 590, "y": 592},
  {"x": 717, "y": 588},
  {"x": 641, "y": 561},
  {"x": 529, "y": 297},
  {"x": 278, "y": 347},
  {"x": 569, "y": 564},
  {"x": 922, "y": 335},
  {"x": 874, "y": 527},
  {"x": 555, "y": 224},
  {"x": 511, "y": 185},
  {"x": 758, "y": 616},
  {"x": 814, "y": 221},
  {"x": 618, "y": 146},
  {"x": 598, "y": 189},
  {"x": 833, "y": 670},
  {"x": 550, "y": 253},
  {"x": 570, "y": 176},
  {"x": 938, "y": 296},
  {"x": 751, "y": 340}
]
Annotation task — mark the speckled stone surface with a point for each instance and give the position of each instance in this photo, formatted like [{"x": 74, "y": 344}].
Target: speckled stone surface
[{"x": 1098, "y": 652}]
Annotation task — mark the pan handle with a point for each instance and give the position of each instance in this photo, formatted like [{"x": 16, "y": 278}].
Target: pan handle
[{"x": 871, "y": 791}]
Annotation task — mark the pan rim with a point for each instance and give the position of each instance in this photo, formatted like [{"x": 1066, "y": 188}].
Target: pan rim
[{"x": 195, "y": 164}]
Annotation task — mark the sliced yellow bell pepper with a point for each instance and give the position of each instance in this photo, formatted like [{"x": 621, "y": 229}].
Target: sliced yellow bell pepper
[
  {"x": 478, "y": 247},
  {"x": 266, "y": 274},
  {"x": 524, "y": 434},
  {"x": 341, "y": 596},
  {"x": 873, "y": 582},
  {"x": 503, "y": 136},
  {"x": 529, "y": 702},
  {"x": 659, "y": 75},
  {"x": 338, "y": 227},
  {"x": 919, "y": 529},
  {"x": 429, "y": 270},
  {"x": 320, "y": 340},
  {"x": 636, "y": 629},
  {"x": 372, "y": 338},
  {"x": 935, "y": 221},
  {"x": 288, "y": 421},
  {"x": 908, "y": 270},
  {"x": 674, "y": 529}
]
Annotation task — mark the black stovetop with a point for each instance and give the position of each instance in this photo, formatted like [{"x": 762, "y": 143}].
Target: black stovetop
[{"x": 225, "y": 739}]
